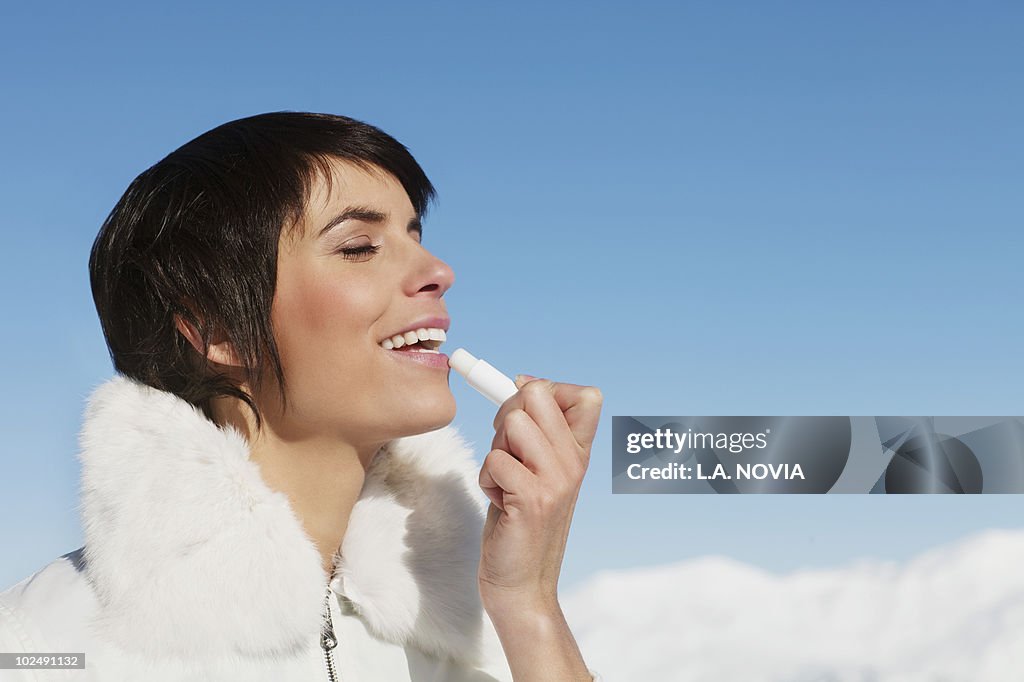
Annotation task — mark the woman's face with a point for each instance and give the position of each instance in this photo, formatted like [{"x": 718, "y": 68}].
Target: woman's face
[{"x": 336, "y": 300}]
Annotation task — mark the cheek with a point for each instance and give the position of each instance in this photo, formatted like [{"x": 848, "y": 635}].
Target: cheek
[{"x": 312, "y": 310}]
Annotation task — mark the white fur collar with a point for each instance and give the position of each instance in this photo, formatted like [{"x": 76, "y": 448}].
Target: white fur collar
[{"x": 191, "y": 553}]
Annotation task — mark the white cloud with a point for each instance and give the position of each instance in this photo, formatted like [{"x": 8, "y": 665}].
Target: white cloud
[{"x": 952, "y": 614}]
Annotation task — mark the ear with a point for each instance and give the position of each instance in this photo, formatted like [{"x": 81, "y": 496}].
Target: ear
[{"x": 219, "y": 351}]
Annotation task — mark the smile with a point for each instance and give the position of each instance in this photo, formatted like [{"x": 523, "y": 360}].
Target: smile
[{"x": 423, "y": 340}]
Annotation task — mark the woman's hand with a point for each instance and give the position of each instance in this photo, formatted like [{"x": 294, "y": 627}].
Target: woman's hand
[{"x": 532, "y": 475}]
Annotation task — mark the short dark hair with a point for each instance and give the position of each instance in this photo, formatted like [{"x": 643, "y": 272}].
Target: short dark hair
[{"x": 197, "y": 233}]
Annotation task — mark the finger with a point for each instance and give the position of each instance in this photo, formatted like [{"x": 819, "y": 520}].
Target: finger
[
  {"x": 513, "y": 403},
  {"x": 581, "y": 406},
  {"x": 539, "y": 403},
  {"x": 527, "y": 442},
  {"x": 503, "y": 474}
]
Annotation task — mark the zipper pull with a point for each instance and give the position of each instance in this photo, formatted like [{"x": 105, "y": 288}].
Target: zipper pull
[{"x": 328, "y": 640}]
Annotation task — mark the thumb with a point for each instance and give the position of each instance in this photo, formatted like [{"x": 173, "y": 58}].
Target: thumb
[{"x": 522, "y": 379}]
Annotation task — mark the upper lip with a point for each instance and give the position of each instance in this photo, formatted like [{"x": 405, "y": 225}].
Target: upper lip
[{"x": 438, "y": 322}]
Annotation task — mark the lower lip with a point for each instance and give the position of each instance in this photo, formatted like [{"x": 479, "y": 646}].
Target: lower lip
[{"x": 436, "y": 360}]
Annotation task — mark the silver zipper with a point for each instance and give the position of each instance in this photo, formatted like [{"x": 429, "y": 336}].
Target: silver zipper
[{"x": 328, "y": 640}]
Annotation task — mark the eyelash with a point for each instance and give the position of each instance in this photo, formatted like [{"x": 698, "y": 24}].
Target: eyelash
[
  {"x": 351, "y": 253},
  {"x": 358, "y": 251}
]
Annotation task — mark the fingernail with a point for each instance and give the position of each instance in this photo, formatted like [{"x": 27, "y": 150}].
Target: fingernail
[{"x": 524, "y": 378}]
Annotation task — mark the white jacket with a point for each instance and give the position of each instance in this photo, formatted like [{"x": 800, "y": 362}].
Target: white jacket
[{"x": 194, "y": 569}]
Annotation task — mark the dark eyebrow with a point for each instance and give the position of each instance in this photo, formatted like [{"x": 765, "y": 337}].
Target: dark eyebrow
[{"x": 367, "y": 215}]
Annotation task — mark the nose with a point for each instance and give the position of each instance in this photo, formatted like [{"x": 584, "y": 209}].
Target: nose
[{"x": 432, "y": 275}]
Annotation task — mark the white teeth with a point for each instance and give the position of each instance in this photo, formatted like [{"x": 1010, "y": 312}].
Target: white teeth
[{"x": 411, "y": 337}]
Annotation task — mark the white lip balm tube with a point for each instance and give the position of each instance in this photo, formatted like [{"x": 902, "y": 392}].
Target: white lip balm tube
[{"x": 479, "y": 374}]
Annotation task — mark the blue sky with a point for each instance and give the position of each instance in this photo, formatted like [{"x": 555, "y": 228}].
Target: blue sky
[{"x": 702, "y": 208}]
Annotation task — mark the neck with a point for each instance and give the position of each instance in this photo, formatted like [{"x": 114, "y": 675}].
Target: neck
[{"x": 321, "y": 476}]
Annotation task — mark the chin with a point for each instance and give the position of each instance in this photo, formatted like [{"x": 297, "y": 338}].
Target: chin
[{"x": 428, "y": 417}]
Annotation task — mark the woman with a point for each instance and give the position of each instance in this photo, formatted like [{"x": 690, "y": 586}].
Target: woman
[{"x": 270, "y": 491}]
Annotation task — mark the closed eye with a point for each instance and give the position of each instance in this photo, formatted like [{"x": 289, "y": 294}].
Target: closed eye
[{"x": 351, "y": 253}]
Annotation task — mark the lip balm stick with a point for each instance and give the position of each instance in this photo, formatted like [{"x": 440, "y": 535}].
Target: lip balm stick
[{"x": 479, "y": 374}]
